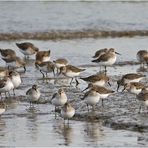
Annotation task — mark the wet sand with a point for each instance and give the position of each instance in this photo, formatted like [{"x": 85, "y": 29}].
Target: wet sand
[{"x": 117, "y": 124}]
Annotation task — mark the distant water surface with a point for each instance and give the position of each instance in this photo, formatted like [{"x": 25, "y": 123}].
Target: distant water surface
[{"x": 47, "y": 16}]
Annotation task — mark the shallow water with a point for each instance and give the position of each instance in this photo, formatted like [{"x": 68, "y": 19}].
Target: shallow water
[
  {"x": 21, "y": 126},
  {"x": 45, "y": 130}
]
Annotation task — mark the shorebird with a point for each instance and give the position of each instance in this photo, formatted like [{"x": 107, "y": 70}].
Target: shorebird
[
  {"x": 134, "y": 87},
  {"x": 2, "y": 108},
  {"x": 6, "y": 85},
  {"x": 27, "y": 48},
  {"x": 107, "y": 59},
  {"x": 143, "y": 98},
  {"x": 45, "y": 67},
  {"x": 91, "y": 97},
  {"x": 128, "y": 78},
  {"x": 102, "y": 91},
  {"x": 16, "y": 79},
  {"x": 67, "y": 111},
  {"x": 43, "y": 56},
  {"x": 15, "y": 62},
  {"x": 7, "y": 53},
  {"x": 71, "y": 72},
  {"x": 59, "y": 99},
  {"x": 60, "y": 63},
  {"x": 97, "y": 79},
  {"x": 33, "y": 94},
  {"x": 100, "y": 52},
  {"x": 142, "y": 57}
]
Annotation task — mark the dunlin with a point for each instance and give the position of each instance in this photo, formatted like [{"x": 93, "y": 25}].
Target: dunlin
[
  {"x": 15, "y": 62},
  {"x": 71, "y": 72},
  {"x": 43, "y": 56},
  {"x": 102, "y": 91},
  {"x": 15, "y": 78},
  {"x": 133, "y": 87},
  {"x": 59, "y": 98},
  {"x": 67, "y": 111},
  {"x": 91, "y": 97},
  {"x": 100, "y": 52},
  {"x": 107, "y": 59},
  {"x": 33, "y": 94},
  {"x": 142, "y": 57},
  {"x": 45, "y": 67},
  {"x": 60, "y": 63},
  {"x": 128, "y": 78},
  {"x": 97, "y": 79},
  {"x": 6, "y": 85},
  {"x": 143, "y": 98},
  {"x": 2, "y": 108},
  {"x": 27, "y": 48},
  {"x": 7, "y": 53}
]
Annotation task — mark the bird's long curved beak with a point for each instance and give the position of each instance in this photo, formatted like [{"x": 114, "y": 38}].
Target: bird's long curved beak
[
  {"x": 109, "y": 83},
  {"x": 117, "y": 53},
  {"x": 85, "y": 89}
]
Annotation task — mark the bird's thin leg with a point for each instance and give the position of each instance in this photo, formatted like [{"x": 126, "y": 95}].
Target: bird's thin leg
[
  {"x": 68, "y": 121},
  {"x": 71, "y": 81},
  {"x": 102, "y": 103},
  {"x": 53, "y": 72},
  {"x": 46, "y": 74},
  {"x": 105, "y": 70},
  {"x": 77, "y": 82},
  {"x": 87, "y": 107},
  {"x": 55, "y": 112},
  {"x": 42, "y": 74},
  {"x": 139, "y": 109},
  {"x": 13, "y": 92}
]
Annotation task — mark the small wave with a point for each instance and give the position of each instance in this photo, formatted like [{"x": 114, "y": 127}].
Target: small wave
[{"x": 68, "y": 34}]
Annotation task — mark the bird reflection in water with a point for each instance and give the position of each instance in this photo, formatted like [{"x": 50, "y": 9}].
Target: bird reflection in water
[
  {"x": 64, "y": 130},
  {"x": 32, "y": 125},
  {"x": 93, "y": 131}
]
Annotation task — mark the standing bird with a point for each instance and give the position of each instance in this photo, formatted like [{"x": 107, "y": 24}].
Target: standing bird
[
  {"x": 107, "y": 59},
  {"x": 15, "y": 62},
  {"x": 60, "y": 63},
  {"x": 16, "y": 79},
  {"x": 59, "y": 99},
  {"x": 97, "y": 79},
  {"x": 102, "y": 91},
  {"x": 43, "y": 56},
  {"x": 142, "y": 57},
  {"x": 7, "y": 53},
  {"x": 128, "y": 78},
  {"x": 71, "y": 72},
  {"x": 91, "y": 97},
  {"x": 45, "y": 67},
  {"x": 27, "y": 48},
  {"x": 33, "y": 94},
  {"x": 67, "y": 111},
  {"x": 100, "y": 52}
]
